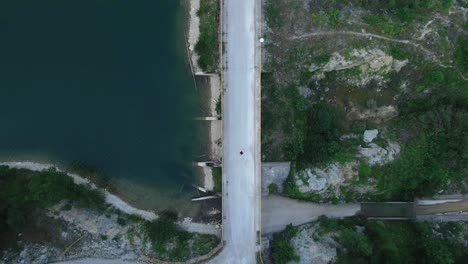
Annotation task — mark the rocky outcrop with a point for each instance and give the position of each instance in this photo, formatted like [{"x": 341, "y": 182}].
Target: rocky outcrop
[
  {"x": 274, "y": 173},
  {"x": 370, "y": 135},
  {"x": 320, "y": 179},
  {"x": 374, "y": 154},
  {"x": 310, "y": 250},
  {"x": 372, "y": 64}
]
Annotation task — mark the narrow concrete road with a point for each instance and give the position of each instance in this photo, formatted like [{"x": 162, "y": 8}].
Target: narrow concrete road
[
  {"x": 278, "y": 212},
  {"x": 241, "y": 143},
  {"x": 441, "y": 208}
]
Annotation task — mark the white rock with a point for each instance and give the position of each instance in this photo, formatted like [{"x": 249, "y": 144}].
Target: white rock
[
  {"x": 370, "y": 135},
  {"x": 305, "y": 92},
  {"x": 376, "y": 155}
]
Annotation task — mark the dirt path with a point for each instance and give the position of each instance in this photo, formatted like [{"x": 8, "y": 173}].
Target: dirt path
[
  {"x": 368, "y": 35},
  {"x": 278, "y": 212}
]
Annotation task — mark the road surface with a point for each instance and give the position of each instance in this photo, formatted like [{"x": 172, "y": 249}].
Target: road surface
[
  {"x": 278, "y": 212},
  {"x": 241, "y": 128}
]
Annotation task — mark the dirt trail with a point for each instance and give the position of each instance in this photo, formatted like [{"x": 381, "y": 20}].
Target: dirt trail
[
  {"x": 278, "y": 211},
  {"x": 368, "y": 35}
]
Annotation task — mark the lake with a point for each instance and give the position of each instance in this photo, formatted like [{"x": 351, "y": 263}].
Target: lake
[{"x": 104, "y": 83}]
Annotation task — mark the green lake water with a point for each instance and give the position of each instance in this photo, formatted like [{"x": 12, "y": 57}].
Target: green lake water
[{"x": 102, "y": 82}]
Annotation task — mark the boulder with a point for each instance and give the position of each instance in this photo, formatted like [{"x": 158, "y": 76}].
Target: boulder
[{"x": 370, "y": 135}]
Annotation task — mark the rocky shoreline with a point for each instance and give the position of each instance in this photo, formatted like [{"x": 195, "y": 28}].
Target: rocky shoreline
[
  {"x": 116, "y": 202},
  {"x": 117, "y": 233}
]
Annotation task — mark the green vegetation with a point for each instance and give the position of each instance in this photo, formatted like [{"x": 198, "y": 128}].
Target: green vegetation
[
  {"x": 23, "y": 193},
  {"x": 419, "y": 88},
  {"x": 322, "y": 140},
  {"x": 282, "y": 251},
  {"x": 219, "y": 106},
  {"x": 292, "y": 191},
  {"x": 305, "y": 114},
  {"x": 272, "y": 188},
  {"x": 364, "y": 172},
  {"x": 171, "y": 244},
  {"x": 394, "y": 242},
  {"x": 217, "y": 173},
  {"x": 405, "y": 10},
  {"x": 207, "y": 45},
  {"x": 437, "y": 152},
  {"x": 273, "y": 14},
  {"x": 461, "y": 54}
]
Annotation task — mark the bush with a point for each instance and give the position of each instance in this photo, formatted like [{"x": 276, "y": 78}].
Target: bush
[
  {"x": 322, "y": 140},
  {"x": 25, "y": 193},
  {"x": 162, "y": 229},
  {"x": 364, "y": 172},
  {"x": 396, "y": 242},
  {"x": 171, "y": 244},
  {"x": 407, "y": 10},
  {"x": 358, "y": 244},
  {"x": 438, "y": 151},
  {"x": 273, "y": 14},
  {"x": 281, "y": 249},
  {"x": 272, "y": 188},
  {"x": 434, "y": 77},
  {"x": 461, "y": 54},
  {"x": 217, "y": 173}
]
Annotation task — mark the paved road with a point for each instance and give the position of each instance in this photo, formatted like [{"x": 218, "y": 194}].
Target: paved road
[
  {"x": 278, "y": 212},
  {"x": 241, "y": 124}
]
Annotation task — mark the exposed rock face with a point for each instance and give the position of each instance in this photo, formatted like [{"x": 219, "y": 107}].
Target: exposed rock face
[
  {"x": 318, "y": 180},
  {"x": 370, "y": 135},
  {"x": 274, "y": 172},
  {"x": 311, "y": 251},
  {"x": 372, "y": 64},
  {"x": 377, "y": 155},
  {"x": 379, "y": 114}
]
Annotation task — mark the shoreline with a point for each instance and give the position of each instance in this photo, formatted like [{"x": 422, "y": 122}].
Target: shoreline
[
  {"x": 193, "y": 33},
  {"x": 80, "y": 180},
  {"x": 115, "y": 201}
]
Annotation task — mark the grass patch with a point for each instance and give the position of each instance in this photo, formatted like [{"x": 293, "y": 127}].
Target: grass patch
[
  {"x": 171, "y": 244},
  {"x": 23, "y": 192},
  {"x": 217, "y": 179},
  {"x": 281, "y": 250},
  {"x": 272, "y": 188},
  {"x": 394, "y": 242},
  {"x": 207, "y": 45},
  {"x": 437, "y": 153}
]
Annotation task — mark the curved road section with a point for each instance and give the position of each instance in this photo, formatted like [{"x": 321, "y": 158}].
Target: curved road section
[{"x": 241, "y": 143}]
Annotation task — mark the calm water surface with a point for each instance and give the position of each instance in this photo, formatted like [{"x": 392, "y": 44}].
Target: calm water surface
[{"x": 104, "y": 82}]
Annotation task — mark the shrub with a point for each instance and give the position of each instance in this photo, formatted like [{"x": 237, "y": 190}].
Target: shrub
[
  {"x": 461, "y": 54},
  {"x": 169, "y": 243},
  {"x": 282, "y": 251},
  {"x": 273, "y": 14},
  {"x": 217, "y": 173},
  {"x": 24, "y": 193},
  {"x": 322, "y": 140},
  {"x": 397, "y": 242},
  {"x": 358, "y": 244},
  {"x": 272, "y": 188},
  {"x": 419, "y": 88},
  {"x": 364, "y": 170},
  {"x": 434, "y": 77},
  {"x": 438, "y": 152},
  {"x": 162, "y": 229}
]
